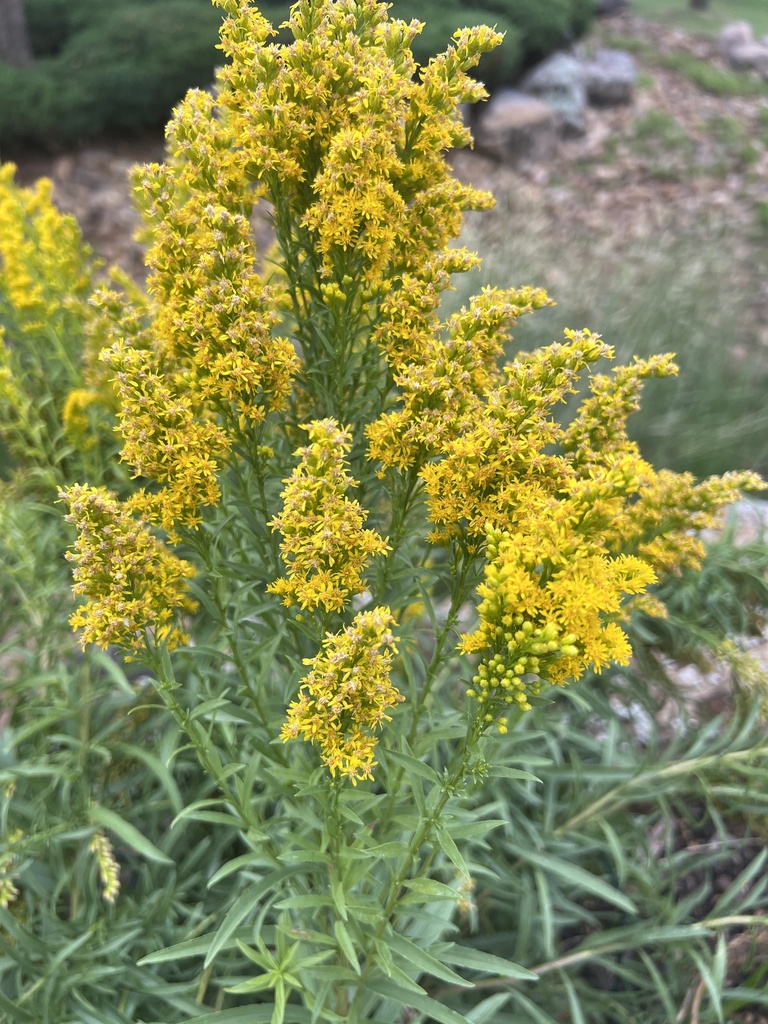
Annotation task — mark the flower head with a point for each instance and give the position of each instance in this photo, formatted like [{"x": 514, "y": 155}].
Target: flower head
[
  {"x": 133, "y": 584},
  {"x": 346, "y": 695},
  {"x": 547, "y": 613},
  {"x": 323, "y": 542},
  {"x": 109, "y": 869}
]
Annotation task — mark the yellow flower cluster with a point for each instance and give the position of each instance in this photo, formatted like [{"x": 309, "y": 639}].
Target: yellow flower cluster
[
  {"x": 573, "y": 519},
  {"x": 657, "y": 515},
  {"x": 168, "y": 438},
  {"x": 323, "y": 542},
  {"x": 339, "y": 124},
  {"x": 47, "y": 344},
  {"x": 8, "y": 865},
  {"x": 196, "y": 362},
  {"x": 547, "y": 613},
  {"x": 345, "y": 138},
  {"x": 45, "y": 273},
  {"x": 346, "y": 695},
  {"x": 109, "y": 869},
  {"x": 132, "y": 581},
  {"x": 442, "y": 388}
]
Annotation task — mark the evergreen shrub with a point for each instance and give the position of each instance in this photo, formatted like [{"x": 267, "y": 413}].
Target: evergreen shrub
[{"x": 104, "y": 69}]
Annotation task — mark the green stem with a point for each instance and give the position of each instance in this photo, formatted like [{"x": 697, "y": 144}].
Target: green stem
[
  {"x": 454, "y": 776},
  {"x": 460, "y": 593}
]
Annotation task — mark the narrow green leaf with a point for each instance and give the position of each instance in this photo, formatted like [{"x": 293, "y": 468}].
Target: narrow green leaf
[
  {"x": 387, "y": 850},
  {"x": 242, "y": 906},
  {"x": 711, "y": 983},
  {"x": 451, "y": 850},
  {"x": 128, "y": 833},
  {"x": 180, "y": 950},
  {"x": 476, "y": 828},
  {"x": 500, "y": 771},
  {"x": 263, "y": 960},
  {"x": 533, "y": 1012},
  {"x": 431, "y": 889},
  {"x": 205, "y": 707},
  {"x": 485, "y": 1012},
  {"x": 735, "y": 891},
  {"x": 16, "y": 1012},
  {"x": 746, "y": 995},
  {"x": 258, "y": 984},
  {"x": 405, "y": 997},
  {"x": 546, "y": 924},
  {"x": 245, "y": 860},
  {"x": 488, "y": 963},
  {"x": 576, "y": 875},
  {"x": 158, "y": 769},
  {"x": 366, "y": 913},
  {"x": 281, "y": 1000},
  {"x": 339, "y": 900},
  {"x": 192, "y": 810},
  {"x": 332, "y": 972},
  {"x": 346, "y": 945},
  {"x": 304, "y": 902},
  {"x": 577, "y": 1015},
  {"x": 412, "y": 765},
  {"x": 424, "y": 960},
  {"x": 661, "y": 986}
]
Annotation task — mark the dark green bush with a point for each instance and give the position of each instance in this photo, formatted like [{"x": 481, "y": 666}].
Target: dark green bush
[
  {"x": 119, "y": 66},
  {"x": 117, "y": 71}
]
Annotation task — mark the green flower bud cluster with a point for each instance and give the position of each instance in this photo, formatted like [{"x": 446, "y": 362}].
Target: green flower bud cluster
[{"x": 514, "y": 672}]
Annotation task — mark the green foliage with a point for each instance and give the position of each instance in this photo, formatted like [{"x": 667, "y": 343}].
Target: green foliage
[
  {"x": 106, "y": 69},
  {"x": 534, "y": 29},
  {"x": 728, "y": 597},
  {"x": 632, "y": 876},
  {"x": 713, "y": 79}
]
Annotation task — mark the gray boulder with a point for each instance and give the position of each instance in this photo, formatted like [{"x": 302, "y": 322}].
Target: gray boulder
[
  {"x": 749, "y": 57},
  {"x": 734, "y": 36},
  {"x": 610, "y": 77},
  {"x": 515, "y": 128},
  {"x": 559, "y": 81},
  {"x": 739, "y": 48}
]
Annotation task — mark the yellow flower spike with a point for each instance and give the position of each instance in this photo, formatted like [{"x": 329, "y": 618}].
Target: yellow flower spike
[
  {"x": 323, "y": 544},
  {"x": 134, "y": 585},
  {"x": 109, "y": 869},
  {"x": 345, "y": 697}
]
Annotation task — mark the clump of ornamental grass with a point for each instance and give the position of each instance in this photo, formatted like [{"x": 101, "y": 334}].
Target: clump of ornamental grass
[{"x": 359, "y": 551}]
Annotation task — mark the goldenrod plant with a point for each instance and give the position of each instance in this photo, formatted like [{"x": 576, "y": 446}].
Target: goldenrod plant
[
  {"x": 56, "y": 404},
  {"x": 360, "y": 553}
]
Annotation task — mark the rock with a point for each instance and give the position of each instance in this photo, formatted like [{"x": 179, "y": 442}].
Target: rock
[
  {"x": 559, "y": 81},
  {"x": 607, "y": 7},
  {"x": 740, "y": 49},
  {"x": 514, "y": 127},
  {"x": 733, "y": 36},
  {"x": 610, "y": 77},
  {"x": 749, "y": 57}
]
